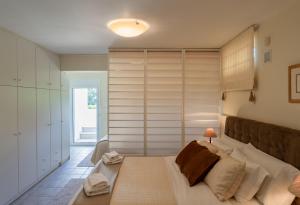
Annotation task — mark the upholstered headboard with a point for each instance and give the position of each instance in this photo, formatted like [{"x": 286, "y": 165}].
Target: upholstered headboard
[{"x": 280, "y": 142}]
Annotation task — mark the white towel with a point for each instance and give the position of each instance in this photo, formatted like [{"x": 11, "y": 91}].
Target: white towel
[
  {"x": 113, "y": 155},
  {"x": 93, "y": 192},
  {"x": 97, "y": 181},
  {"x": 115, "y": 161}
]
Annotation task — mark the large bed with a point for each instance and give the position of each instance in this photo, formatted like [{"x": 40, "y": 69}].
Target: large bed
[{"x": 158, "y": 180}]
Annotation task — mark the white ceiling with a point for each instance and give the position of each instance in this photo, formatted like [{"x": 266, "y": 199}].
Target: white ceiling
[{"x": 79, "y": 26}]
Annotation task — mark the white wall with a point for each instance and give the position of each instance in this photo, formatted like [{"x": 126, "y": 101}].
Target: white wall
[
  {"x": 80, "y": 79},
  {"x": 76, "y": 62},
  {"x": 272, "y": 92}
]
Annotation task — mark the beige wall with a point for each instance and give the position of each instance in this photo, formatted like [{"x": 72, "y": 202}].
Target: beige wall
[
  {"x": 75, "y": 62},
  {"x": 272, "y": 91}
]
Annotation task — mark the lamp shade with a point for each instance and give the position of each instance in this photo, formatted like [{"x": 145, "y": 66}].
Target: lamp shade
[
  {"x": 210, "y": 132},
  {"x": 295, "y": 187}
]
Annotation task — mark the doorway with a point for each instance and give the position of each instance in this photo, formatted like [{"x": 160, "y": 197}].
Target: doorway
[{"x": 85, "y": 117}]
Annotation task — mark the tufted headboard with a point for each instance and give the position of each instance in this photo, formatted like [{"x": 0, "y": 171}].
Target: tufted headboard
[{"x": 280, "y": 142}]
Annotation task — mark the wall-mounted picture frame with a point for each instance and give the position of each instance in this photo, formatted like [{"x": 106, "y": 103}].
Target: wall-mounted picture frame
[{"x": 294, "y": 83}]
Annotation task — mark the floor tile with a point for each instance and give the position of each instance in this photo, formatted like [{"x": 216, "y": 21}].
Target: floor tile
[{"x": 47, "y": 191}]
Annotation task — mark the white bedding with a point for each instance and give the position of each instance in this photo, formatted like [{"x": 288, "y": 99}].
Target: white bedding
[{"x": 199, "y": 194}]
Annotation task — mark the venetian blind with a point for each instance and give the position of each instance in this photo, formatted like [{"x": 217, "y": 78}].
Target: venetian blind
[
  {"x": 237, "y": 59},
  {"x": 160, "y": 100}
]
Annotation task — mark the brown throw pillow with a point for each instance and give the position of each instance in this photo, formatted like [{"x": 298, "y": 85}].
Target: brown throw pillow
[
  {"x": 187, "y": 153},
  {"x": 199, "y": 165}
]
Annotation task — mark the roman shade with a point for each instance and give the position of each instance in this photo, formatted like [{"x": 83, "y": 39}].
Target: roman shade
[
  {"x": 161, "y": 100},
  {"x": 237, "y": 62}
]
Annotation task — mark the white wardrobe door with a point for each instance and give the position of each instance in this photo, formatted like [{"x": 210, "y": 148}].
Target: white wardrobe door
[
  {"x": 65, "y": 125},
  {"x": 27, "y": 137},
  {"x": 64, "y": 81},
  {"x": 26, "y": 63},
  {"x": 54, "y": 73},
  {"x": 9, "y": 144},
  {"x": 42, "y": 68},
  {"x": 43, "y": 132},
  {"x": 8, "y": 58},
  {"x": 55, "y": 127}
]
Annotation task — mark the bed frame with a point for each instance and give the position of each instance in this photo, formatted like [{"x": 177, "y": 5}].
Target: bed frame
[{"x": 280, "y": 142}]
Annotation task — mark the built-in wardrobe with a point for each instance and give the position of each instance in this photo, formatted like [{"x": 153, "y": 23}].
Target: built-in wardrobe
[{"x": 33, "y": 132}]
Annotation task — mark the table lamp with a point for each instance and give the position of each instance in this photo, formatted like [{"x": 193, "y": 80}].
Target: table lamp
[{"x": 210, "y": 132}]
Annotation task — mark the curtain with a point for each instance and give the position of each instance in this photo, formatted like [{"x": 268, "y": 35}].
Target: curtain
[
  {"x": 237, "y": 62},
  {"x": 160, "y": 100}
]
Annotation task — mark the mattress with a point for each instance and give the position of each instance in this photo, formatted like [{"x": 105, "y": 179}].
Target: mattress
[{"x": 143, "y": 181}]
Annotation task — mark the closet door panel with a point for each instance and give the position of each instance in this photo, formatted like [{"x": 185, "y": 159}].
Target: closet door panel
[
  {"x": 27, "y": 137},
  {"x": 26, "y": 63},
  {"x": 43, "y": 132},
  {"x": 54, "y": 73},
  {"x": 55, "y": 111},
  {"x": 65, "y": 125},
  {"x": 42, "y": 68},
  {"x": 8, "y": 58},
  {"x": 9, "y": 144},
  {"x": 64, "y": 81}
]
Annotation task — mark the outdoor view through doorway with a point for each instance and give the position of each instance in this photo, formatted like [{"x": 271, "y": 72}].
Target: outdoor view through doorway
[{"x": 85, "y": 115}]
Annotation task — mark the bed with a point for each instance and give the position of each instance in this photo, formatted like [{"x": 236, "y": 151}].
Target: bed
[{"x": 158, "y": 180}]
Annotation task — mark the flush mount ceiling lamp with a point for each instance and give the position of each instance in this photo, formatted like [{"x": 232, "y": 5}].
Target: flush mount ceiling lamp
[{"x": 128, "y": 27}]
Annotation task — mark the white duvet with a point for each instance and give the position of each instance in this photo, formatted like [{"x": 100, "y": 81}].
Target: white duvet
[{"x": 199, "y": 194}]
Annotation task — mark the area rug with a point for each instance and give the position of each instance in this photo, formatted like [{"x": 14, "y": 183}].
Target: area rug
[
  {"x": 67, "y": 193},
  {"x": 86, "y": 162}
]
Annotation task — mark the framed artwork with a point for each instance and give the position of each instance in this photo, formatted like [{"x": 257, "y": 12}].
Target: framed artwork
[{"x": 294, "y": 83}]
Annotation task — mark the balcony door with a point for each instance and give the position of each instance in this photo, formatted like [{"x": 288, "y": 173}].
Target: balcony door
[{"x": 85, "y": 117}]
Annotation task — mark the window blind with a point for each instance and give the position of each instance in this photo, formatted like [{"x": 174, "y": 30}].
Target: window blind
[
  {"x": 164, "y": 102},
  {"x": 237, "y": 59},
  {"x": 201, "y": 93},
  {"x": 160, "y": 100},
  {"x": 126, "y": 102}
]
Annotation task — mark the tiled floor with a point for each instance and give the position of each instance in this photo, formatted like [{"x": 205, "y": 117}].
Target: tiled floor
[{"x": 46, "y": 191}]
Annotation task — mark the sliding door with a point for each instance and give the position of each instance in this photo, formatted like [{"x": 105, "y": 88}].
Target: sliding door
[{"x": 158, "y": 100}]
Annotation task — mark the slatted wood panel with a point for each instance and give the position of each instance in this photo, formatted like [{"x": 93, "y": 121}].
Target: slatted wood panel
[
  {"x": 126, "y": 102},
  {"x": 164, "y": 102},
  {"x": 201, "y": 93}
]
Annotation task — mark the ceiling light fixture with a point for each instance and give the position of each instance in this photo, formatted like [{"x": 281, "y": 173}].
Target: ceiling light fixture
[{"x": 128, "y": 27}]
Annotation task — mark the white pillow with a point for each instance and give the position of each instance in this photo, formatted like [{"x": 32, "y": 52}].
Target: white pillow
[
  {"x": 209, "y": 146},
  {"x": 227, "y": 149},
  {"x": 254, "y": 177},
  {"x": 225, "y": 177},
  {"x": 275, "y": 188},
  {"x": 231, "y": 142},
  {"x": 270, "y": 163},
  {"x": 276, "y": 191}
]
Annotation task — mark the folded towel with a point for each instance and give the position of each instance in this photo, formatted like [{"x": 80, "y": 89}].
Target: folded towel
[
  {"x": 112, "y": 155},
  {"x": 97, "y": 180},
  {"x": 93, "y": 192},
  {"x": 115, "y": 161}
]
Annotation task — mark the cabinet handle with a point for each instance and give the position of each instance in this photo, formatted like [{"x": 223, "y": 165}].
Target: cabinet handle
[
  {"x": 19, "y": 79},
  {"x": 14, "y": 79}
]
